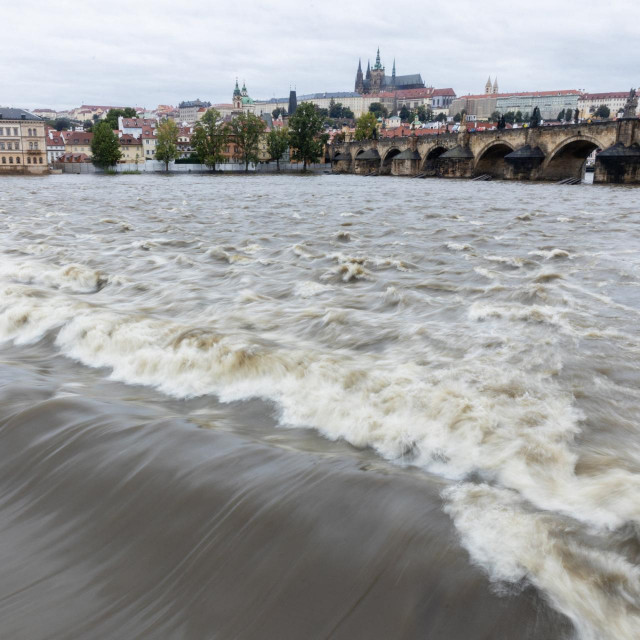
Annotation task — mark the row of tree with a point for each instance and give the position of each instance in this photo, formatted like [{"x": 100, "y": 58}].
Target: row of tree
[{"x": 304, "y": 136}]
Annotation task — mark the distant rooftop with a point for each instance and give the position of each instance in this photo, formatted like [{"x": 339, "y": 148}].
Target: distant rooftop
[
  {"x": 193, "y": 103},
  {"x": 7, "y": 113}
]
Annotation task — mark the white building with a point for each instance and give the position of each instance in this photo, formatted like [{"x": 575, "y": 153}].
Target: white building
[{"x": 589, "y": 103}]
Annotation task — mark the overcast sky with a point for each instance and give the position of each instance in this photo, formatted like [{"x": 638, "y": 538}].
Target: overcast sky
[{"x": 61, "y": 54}]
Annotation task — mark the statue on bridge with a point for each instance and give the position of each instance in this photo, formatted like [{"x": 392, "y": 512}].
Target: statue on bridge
[{"x": 631, "y": 105}]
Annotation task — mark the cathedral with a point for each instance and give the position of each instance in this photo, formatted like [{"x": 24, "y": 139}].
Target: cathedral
[{"x": 375, "y": 80}]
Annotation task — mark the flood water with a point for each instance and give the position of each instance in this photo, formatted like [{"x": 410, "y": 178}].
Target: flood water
[{"x": 291, "y": 407}]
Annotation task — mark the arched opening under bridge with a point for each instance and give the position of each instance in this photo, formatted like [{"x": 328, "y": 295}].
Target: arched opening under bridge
[
  {"x": 492, "y": 162},
  {"x": 569, "y": 160},
  {"x": 430, "y": 164},
  {"x": 385, "y": 168}
]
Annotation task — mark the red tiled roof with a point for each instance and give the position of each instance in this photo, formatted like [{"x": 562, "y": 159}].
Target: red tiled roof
[
  {"x": 535, "y": 94},
  {"x": 407, "y": 93},
  {"x": 128, "y": 139},
  {"x": 604, "y": 96},
  {"x": 79, "y": 137},
  {"x": 444, "y": 92}
]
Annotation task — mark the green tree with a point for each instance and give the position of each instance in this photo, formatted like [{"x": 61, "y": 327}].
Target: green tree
[
  {"x": 535, "y": 118},
  {"x": 495, "y": 116},
  {"x": 518, "y": 116},
  {"x": 561, "y": 116},
  {"x": 367, "y": 127},
  {"x": 105, "y": 146},
  {"x": 62, "y": 124},
  {"x": 526, "y": 117},
  {"x": 510, "y": 117},
  {"x": 568, "y": 115},
  {"x": 602, "y": 111},
  {"x": 167, "y": 142},
  {"x": 441, "y": 117},
  {"x": 405, "y": 114},
  {"x": 347, "y": 113},
  {"x": 576, "y": 116},
  {"x": 113, "y": 115},
  {"x": 378, "y": 109},
  {"x": 209, "y": 137},
  {"x": 277, "y": 144},
  {"x": 457, "y": 117},
  {"x": 424, "y": 113},
  {"x": 246, "y": 130},
  {"x": 305, "y": 134},
  {"x": 87, "y": 125},
  {"x": 280, "y": 111}
]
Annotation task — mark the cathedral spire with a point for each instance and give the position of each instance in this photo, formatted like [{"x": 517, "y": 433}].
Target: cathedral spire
[
  {"x": 368, "y": 76},
  {"x": 378, "y": 64},
  {"x": 359, "y": 65},
  {"x": 393, "y": 71}
]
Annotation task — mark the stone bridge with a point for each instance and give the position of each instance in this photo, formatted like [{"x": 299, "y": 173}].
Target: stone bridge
[{"x": 540, "y": 153}]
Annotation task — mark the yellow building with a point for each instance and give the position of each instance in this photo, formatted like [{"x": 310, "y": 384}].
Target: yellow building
[
  {"x": 23, "y": 143},
  {"x": 132, "y": 149},
  {"x": 77, "y": 142}
]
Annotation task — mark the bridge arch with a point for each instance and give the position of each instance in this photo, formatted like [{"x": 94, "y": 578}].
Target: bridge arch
[
  {"x": 569, "y": 157},
  {"x": 490, "y": 160},
  {"x": 429, "y": 163},
  {"x": 385, "y": 165}
]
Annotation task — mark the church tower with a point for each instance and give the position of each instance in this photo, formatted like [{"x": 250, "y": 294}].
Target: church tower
[
  {"x": 377, "y": 75},
  {"x": 237, "y": 97},
  {"x": 393, "y": 74},
  {"x": 487, "y": 87},
  {"x": 359, "y": 88},
  {"x": 368, "y": 76},
  {"x": 495, "y": 85}
]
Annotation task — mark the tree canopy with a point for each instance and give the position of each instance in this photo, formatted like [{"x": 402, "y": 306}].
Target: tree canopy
[
  {"x": 336, "y": 110},
  {"x": 105, "y": 146},
  {"x": 602, "y": 111},
  {"x": 209, "y": 137},
  {"x": 280, "y": 111},
  {"x": 62, "y": 124},
  {"x": 405, "y": 114},
  {"x": 113, "y": 115},
  {"x": 305, "y": 134},
  {"x": 378, "y": 109},
  {"x": 277, "y": 144},
  {"x": 535, "y": 118},
  {"x": 167, "y": 142},
  {"x": 246, "y": 130},
  {"x": 367, "y": 127}
]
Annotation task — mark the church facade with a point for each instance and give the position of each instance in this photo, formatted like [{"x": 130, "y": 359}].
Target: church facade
[{"x": 375, "y": 80}]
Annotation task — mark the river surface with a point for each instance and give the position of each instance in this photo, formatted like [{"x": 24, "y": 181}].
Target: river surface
[{"x": 256, "y": 407}]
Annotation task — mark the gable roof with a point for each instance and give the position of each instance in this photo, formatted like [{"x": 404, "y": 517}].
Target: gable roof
[{"x": 7, "y": 113}]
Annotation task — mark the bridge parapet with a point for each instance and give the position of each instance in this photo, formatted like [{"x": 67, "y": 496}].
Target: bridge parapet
[{"x": 540, "y": 153}]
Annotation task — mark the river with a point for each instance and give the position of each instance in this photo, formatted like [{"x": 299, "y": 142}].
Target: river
[{"x": 261, "y": 407}]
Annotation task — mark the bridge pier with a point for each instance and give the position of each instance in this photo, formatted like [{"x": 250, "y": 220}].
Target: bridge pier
[
  {"x": 406, "y": 163},
  {"x": 620, "y": 163},
  {"x": 455, "y": 163}
]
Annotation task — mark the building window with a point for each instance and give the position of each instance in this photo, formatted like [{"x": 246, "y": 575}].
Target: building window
[
  {"x": 9, "y": 146},
  {"x": 1, "y": 146},
  {"x": 35, "y": 145},
  {"x": 28, "y": 160},
  {"x": 4, "y": 160},
  {"x": 28, "y": 132},
  {"x": 16, "y": 145},
  {"x": 10, "y": 160},
  {"x": 15, "y": 131},
  {"x": 31, "y": 145},
  {"x": 40, "y": 159},
  {"x": 18, "y": 160}
]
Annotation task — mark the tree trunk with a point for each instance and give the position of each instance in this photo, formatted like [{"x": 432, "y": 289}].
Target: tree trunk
[
  {"x": 166, "y": 166},
  {"x": 278, "y": 164},
  {"x": 304, "y": 166}
]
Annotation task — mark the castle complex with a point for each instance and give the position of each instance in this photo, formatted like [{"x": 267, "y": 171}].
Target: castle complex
[{"x": 375, "y": 80}]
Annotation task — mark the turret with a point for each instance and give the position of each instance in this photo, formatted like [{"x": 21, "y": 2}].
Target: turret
[
  {"x": 488, "y": 87},
  {"x": 495, "y": 85},
  {"x": 359, "y": 87},
  {"x": 368, "y": 76}
]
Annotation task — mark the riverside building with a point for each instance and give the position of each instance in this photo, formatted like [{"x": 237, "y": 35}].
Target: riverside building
[{"x": 23, "y": 142}]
